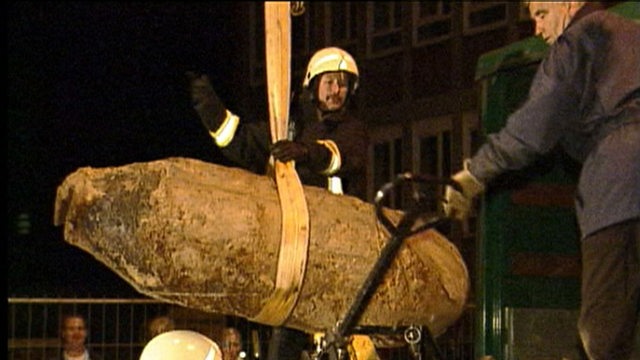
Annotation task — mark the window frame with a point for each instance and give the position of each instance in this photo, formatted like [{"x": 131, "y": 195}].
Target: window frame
[
  {"x": 470, "y": 8},
  {"x": 389, "y": 31},
  {"x": 387, "y": 134},
  {"x": 350, "y": 38},
  {"x": 418, "y": 22}
]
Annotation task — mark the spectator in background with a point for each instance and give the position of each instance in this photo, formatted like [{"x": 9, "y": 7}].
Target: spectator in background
[
  {"x": 159, "y": 325},
  {"x": 231, "y": 344},
  {"x": 73, "y": 334}
]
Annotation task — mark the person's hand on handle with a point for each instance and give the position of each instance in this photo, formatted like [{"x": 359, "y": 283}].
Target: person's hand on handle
[{"x": 457, "y": 204}]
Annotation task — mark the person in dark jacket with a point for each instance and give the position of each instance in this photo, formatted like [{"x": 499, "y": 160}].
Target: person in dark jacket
[
  {"x": 73, "y": 334},
  {"x": 585, "y": 97},
  {"x": 327, "y": 141}
]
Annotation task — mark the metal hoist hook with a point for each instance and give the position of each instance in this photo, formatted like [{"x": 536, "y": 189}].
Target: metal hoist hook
[{"x": 297, "y": 8}]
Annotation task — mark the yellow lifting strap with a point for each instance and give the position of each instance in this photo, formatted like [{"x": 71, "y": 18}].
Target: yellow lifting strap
[{"x": 294, "y": 242}]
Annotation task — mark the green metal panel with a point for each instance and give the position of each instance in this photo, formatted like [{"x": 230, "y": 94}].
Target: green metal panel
[
  {"x": 629, "y": 9},
  {"x": 506, "y": 228},
  {"x": 515, "y": 55}
]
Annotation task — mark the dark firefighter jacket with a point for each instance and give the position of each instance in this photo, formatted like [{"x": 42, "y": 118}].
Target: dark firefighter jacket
[{"x": 250, "y": 148}]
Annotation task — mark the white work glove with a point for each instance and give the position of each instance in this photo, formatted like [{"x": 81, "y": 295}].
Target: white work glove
[{"x": 456, "y": 204}]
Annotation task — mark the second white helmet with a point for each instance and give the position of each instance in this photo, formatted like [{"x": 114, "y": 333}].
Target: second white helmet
[
  {"x": 181, "y": 345},
  {"x": 331, "y": 59}
]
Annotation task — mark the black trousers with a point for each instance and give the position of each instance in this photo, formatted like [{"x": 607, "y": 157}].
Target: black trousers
[
  {"x": 610, "y": 290},
  {"x": 288, "y": 344}
]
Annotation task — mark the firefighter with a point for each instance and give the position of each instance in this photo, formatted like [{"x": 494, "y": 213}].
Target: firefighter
[{"x": 327, "y": 141}]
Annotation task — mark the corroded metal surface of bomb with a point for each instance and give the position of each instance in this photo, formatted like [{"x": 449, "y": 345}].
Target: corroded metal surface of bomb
[{"x": 206, "y": 237}]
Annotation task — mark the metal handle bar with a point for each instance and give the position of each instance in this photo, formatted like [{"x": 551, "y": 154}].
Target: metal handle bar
[
  {"x": 418, "y": 206},
  {"x": 399, "y": 233}
]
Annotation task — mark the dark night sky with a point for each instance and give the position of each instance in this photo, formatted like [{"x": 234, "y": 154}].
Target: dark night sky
[{"x": 99, "y": 84}]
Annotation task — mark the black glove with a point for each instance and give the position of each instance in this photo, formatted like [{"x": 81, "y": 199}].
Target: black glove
[
  {"x": 314, "y": 155},
  {"x": 287, "y": 150},
  {"x": 205, "y": 101}
]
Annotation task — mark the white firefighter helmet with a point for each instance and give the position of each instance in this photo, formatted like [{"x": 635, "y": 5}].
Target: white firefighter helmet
[
  {"x": 181, "y": 345},
  {"x": 331, "y": 59}
]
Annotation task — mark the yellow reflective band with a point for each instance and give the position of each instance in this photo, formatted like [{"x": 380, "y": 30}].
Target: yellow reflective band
[
  {"x": 336, "y": 160},
  {"x": 227, "y": 130},
  {"x": 334, "y": 184},
  {"x": 361, "y": 347}
]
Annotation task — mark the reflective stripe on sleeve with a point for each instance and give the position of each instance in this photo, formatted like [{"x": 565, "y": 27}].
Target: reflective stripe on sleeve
[
  {"x": 227, "y": 130},
  {"x": 336, "y": 160},
  {"x": 334, "y": 184}
]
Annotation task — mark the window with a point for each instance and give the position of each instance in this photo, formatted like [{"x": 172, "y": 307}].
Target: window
[
  {"x": 432, "y": 149},
  {"x": 384, "y": 28},
  {"x": 484, "y": 16},
  {"x": 432, "y": 146},
  {"x": 431, "y": 21},
  {"x": 341, "y": 25},
  {"x": 385, "y": 161}
]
